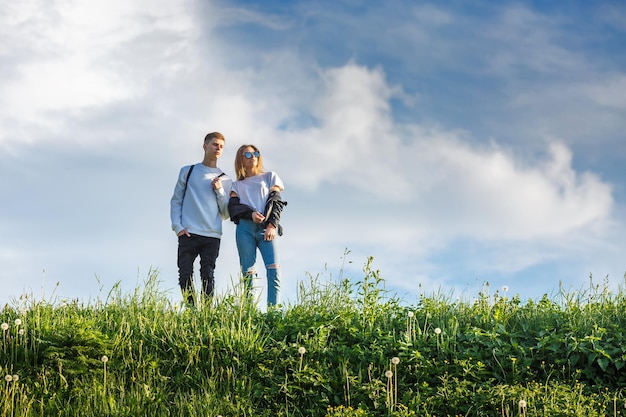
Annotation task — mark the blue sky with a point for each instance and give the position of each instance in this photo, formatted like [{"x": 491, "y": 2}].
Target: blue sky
[{"x": 458, "y": 143}]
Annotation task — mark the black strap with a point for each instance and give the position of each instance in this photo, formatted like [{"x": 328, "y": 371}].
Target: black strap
[{"x": 187, "y": 181}]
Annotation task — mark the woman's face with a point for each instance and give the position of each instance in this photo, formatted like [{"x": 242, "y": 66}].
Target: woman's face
[{"x": 250, "y": 164}]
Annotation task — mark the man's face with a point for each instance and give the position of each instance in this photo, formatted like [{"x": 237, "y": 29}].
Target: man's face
[{"x": 214, "y": 148}]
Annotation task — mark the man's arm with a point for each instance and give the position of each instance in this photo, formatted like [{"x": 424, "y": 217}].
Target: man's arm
[{"x": 176, "y": 203}]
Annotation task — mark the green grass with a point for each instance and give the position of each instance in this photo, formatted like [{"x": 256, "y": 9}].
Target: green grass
[{"x": 342, "y": 349}]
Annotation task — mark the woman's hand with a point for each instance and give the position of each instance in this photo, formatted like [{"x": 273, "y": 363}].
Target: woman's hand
[
  {"x": 257, "y": 217},
  {"x": 270, "y": 232}
]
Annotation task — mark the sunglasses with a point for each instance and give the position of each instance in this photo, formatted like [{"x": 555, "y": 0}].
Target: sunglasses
[{"x": 249, "y": 155}]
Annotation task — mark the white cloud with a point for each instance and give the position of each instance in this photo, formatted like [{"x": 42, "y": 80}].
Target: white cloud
[
  {"x": 488, "y": 194},
  {"x": 485, "y": 192},
  {"x": 62, "y": 61},
  {"x": 609, "y": 92}
]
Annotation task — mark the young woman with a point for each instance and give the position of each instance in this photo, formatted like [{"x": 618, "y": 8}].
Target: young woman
[{"x": 255, "y": 206}]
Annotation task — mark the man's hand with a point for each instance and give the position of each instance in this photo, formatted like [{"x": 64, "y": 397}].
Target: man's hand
[{"x": 216, "y": 183}]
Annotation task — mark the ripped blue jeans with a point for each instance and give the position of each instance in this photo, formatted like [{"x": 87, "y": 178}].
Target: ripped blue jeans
[{"x": 249, "y": 237}]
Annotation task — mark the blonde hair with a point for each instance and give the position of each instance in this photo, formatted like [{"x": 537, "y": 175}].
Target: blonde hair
[{"x": 240, "y": 171}]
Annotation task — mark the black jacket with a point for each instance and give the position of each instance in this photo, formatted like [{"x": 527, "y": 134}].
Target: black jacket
[{"x": 273, "y": 209}]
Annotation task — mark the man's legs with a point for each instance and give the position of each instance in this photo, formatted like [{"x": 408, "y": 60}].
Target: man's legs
[
  {"x": 187, "y": 253},
  {"x": 209, "y": 250}
]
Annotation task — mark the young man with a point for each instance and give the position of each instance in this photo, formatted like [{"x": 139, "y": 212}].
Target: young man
[{"x": 197, "y": 208}]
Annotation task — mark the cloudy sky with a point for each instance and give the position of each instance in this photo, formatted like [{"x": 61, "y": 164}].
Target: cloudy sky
[{"x": 458, "y": 143}]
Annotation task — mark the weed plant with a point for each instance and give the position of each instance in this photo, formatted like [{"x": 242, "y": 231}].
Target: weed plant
[{"x": 345, "y": 348}]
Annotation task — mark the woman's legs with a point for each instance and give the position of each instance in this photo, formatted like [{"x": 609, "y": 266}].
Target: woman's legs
[
  {"x": 249, "y": 237},
  {"x": 246, "y": 246},
  {"x": 269, "y": 252}
]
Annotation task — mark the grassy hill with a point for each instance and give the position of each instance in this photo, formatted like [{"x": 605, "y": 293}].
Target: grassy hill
[{"x": 343, "y": 349}]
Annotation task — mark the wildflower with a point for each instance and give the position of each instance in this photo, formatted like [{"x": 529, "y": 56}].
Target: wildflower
[
  {"x": 437, "y": 330},
  {"x": 20, "y": 332},
  {"x": 18, "y": 322},
  {"x": 15, "y": 378},
  {"x": 395, "y": 360},
  {"x": 8, "y": 378},
  {"x": 104, "y": 359},
  {"x": 505, "y": 288},
  {"x": 4, "y": 326},
  {"x": 522, "y": 404},
  {"x": 411, "y": 314},
  {"x": 301, "y": 351},
  {"x": 388, "y": 374}
]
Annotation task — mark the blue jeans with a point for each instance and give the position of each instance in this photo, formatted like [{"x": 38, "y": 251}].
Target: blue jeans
[{"x": 249, "y": 237}]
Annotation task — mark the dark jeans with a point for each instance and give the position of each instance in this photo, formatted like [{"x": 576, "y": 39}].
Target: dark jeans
[{"x": 189, "y": 248}]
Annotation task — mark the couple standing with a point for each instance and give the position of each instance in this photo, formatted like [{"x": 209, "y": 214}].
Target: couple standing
[{"x": 204, "y": 196}]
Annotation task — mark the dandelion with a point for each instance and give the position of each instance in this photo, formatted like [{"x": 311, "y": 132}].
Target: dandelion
[
  {"x": 21, "y": 332},
  {"x": 395, "y": 361},
  {"x": 437, "y": 331},
  {"x": 8, "y": 378},
  {"x": 390, "y": 395},
  {"x": 301, "y": 351},
  {"x": 15, "y": 378},
  {"x": 410, "y": 326},
  {"x": 104, "y": 360},
  {"x": 505, "y": 288},
  {"x": 18, "y": 322},
  {"x": 4, "y": 326},
  {"x": 522, "y": 407}
]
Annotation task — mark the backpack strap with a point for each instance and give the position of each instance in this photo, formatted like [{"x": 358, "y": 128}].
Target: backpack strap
[{"x": 187, "y": 181}]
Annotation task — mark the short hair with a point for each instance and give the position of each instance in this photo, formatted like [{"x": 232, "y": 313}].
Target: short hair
[
  {"x": 240, "y": 171},
  {"x": 214, "y": 135}
]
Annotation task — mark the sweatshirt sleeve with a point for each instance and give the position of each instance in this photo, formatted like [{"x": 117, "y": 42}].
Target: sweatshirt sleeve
[
  {"x": 222, "y": 195},
  {"x": 176, "y": 203}
]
